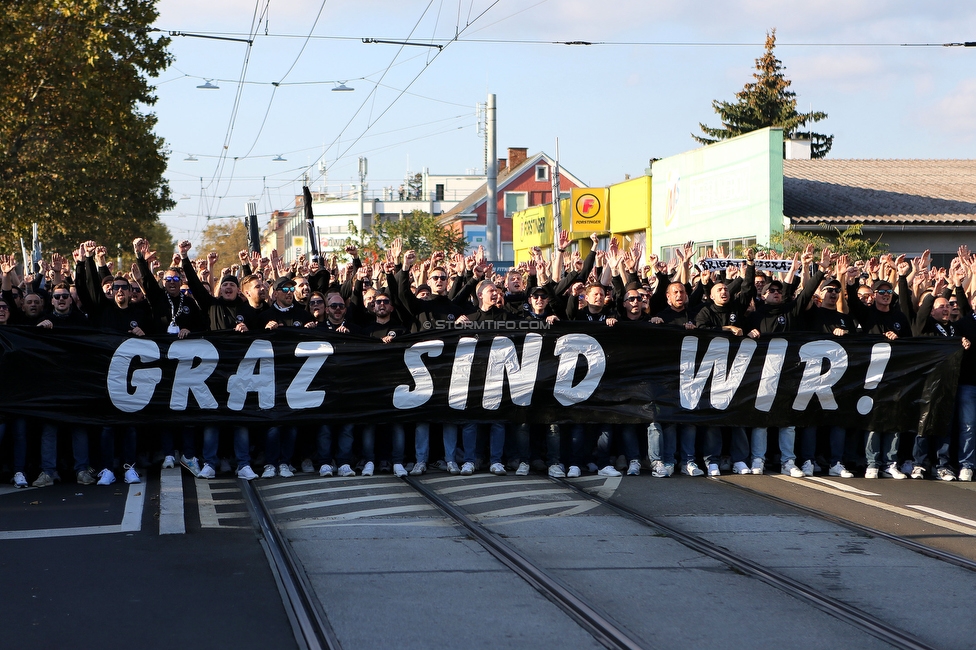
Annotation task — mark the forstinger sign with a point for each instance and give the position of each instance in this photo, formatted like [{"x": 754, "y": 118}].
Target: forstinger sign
[{"x": 631, "y": 373}]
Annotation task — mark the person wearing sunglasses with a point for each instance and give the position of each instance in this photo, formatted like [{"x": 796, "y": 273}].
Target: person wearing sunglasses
[
  {"x": 284, "y": 312},
  {"x": 63, "y": 312},
  {"x": 175, "y": 312}
]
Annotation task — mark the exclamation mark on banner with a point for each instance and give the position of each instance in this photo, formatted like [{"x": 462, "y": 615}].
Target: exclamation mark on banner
[{"x": 880, "y": 354}]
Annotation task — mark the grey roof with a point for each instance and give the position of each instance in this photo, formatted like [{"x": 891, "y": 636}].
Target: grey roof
[{"x": 922, "y": 192}]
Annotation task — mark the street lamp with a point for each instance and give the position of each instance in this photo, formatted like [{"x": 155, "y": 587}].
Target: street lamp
[
  {"x": 208, "y": 86},
  {"x": 341, "y": 87}
]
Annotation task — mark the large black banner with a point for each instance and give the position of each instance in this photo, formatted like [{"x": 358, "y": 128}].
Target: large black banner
[{"x": 566, "y": 373}]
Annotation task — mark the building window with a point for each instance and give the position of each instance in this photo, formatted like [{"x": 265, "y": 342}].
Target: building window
[
  {"x": 542, "y": 172},
  {"x": 736, "y": 248},
  {"x": 508, "y": 252},
  {"x": 515, "y": 202},
  {"x": 439, "y": 192}
]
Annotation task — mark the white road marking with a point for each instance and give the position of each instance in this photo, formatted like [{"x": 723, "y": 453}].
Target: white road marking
[
  {"x": 205, "y": 505},
  {"x": 946, "y": 515},
  {"x": 326, "y": 490},
  {"x": 838, "y": 485},
  {"x": 508, "y": 495},
  {"x": 487, "y": 484},
  {"x": 346, "y": 516},
  {"x": 131, "y": 521},
  {"x": 898, "y": 510},
  {"x": 171, "y": 519},
  {"x": 572, "y": 508},
  {"x": 338, "y": 502}
]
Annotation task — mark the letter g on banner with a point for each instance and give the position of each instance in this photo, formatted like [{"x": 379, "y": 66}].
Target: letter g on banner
[{"x": 144, "y": 381}]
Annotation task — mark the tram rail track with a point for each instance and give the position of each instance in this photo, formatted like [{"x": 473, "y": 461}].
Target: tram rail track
[{"x": 832, "y": 606}]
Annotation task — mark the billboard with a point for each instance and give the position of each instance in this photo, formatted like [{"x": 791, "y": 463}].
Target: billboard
[{"x": 728, "y": 190}]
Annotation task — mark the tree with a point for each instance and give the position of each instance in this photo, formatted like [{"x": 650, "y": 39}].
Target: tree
[
  {"x": 766, "y": 102},
  {"x": 77, "y": 150},
  {"x": 415, "y": 186},
  {"x": 850, "y": 241},
  {"x": 226, "y": 238},
  {"x": 419, "y": 231}
]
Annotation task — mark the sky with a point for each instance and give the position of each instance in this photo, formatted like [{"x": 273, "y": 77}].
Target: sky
[{"x": 638, "y": 92}]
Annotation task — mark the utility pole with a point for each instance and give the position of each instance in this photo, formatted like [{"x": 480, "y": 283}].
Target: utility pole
[
  {"x": 491, "y": 204},
  {"x": 362, "y": 191}
]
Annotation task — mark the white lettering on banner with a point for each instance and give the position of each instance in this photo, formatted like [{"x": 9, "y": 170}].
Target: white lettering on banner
[
  {"x": 298, "y": 396},
  {"x": 719, "y": 263},
  {"x": 769, "y": 381},
  {"x": 570, "y": 348},
  {"x": 259, "y": 356},
  {"x": 192, "y": 379},
  {"x": 143, "y": 381},
  {"x": 815, "y": 381},
  {"x": 714, "y": 363},
  {"x": 403, "y": 397},
  {"x": 503, "y": 360},
  {"x": 457, "y": 398}
]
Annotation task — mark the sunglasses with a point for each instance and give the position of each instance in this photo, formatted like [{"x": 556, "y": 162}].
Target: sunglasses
[
  {"x": 61, "y": 296},
  {"x": 336, "y": 305},
  {"x": 316, "y": 301},
  {"x": 287, "y": 289},
  {"x": 438, "y": 277},
  {"x": 383, "y": 301},
  {"x": 885, "y": 292},
  {"x": 367, "y": 283},
  {"x": 186, "y": 292},
  {"x": 775, "y": 290},
  {"x": 171, "y": 278},
  {"x": 953, "y": 303},
  {"x": 136, "y": 290},
  {"x": 121, "y": 287},
  {"x": 632, "y": 299},
  {"x": 4, "y": 308},
  {"x": 540, "y": 296},
  {"x": 831, "y": 290}
]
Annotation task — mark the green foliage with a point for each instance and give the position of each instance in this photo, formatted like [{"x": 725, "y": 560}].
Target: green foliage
[
  {"x": 850, "y": 241},
  {"x": 419, "y": 231},
  {"x": 77, "y": 150},
  {"x": 767, "y": 101}
]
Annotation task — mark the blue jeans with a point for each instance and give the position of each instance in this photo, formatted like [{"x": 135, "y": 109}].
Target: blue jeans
[
  {"x": 920, "y": 451},
  {"x": 787, "y": 439},
  {"x": 450, "y": 442},
  {"x": 279, "y": 445},
  {"x": 628, "y": 439},
  {"x": 19, "y": 429},
  {"x": 108, "y": 446},
  {"x": 966, "y": 410},
  {"x": 808, "y": 444},
  {"x": 662, "y": 442},
  {"x": 873, "y": 446},
  {"x": 421, "y": 441},
  {"x": 323, "y": 449},
  {"x": 242, "y": 446},
  {"x": 369, "y": 442},
  {"x": 496, "y": 441},
  {"x": 166, "y": 439},
  {"x": 713, "y": 445}
]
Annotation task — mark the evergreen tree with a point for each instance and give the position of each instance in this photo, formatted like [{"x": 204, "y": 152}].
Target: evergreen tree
[{"x": 766, "y": 102}]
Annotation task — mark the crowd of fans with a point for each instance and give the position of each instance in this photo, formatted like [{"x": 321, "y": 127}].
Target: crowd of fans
[{"x": 822, "y": 292}]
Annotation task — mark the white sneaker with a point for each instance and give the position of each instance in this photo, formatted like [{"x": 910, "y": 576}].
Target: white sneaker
[
  {"x": 131, "y": 475},
  {"x": 633, "y": 468},
  {"x": 669, "y": 469},
  {"x": 918, "y": 472},
  {"x": 191, "y": 464},
  {"x": 892, "y": 471},
  {"x": 789, "y": 468},
  {"x": 838, "y": 469},
  {"x": 368, "y": 469},
  {"x": 345, "y": 471},
  {"x": 269, "y": 471},
  {"x": 307, "y": 466},
  {"x": 398, "y": 470},
  {"x": 418, "y": 469},
  {"x": 807, "y": 468},
  {"x": 106, "y": 477},
  {"x": 523, "y": 469},
  {"x": 557, "y": 471},
  {"x": 741, "y": 468},
  {"x": 453, "y": 468},
  {"x": 691, "y": 469},
  {"x": 609, "y": 470},
  {"x": 966, "y": 474},
  {"x": 285, "y": 471},
  {"x": 758, "y": 466},
  {"x": 497, "y": 469},
  {"x": 326, "y": 470},
  {"x": 657, "y": 469},
  {"x": 207, "y": 472},
  {"x": 169, "y": 462},
  {"x": 574, "y": 472},
  {"x": 871, "y": 472},
  {"x": 247, "y": 473},
  {"x": 467, "y": 469},
  {"x": 20, "y": 480},
  {"x": 713, "y": 469}
]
